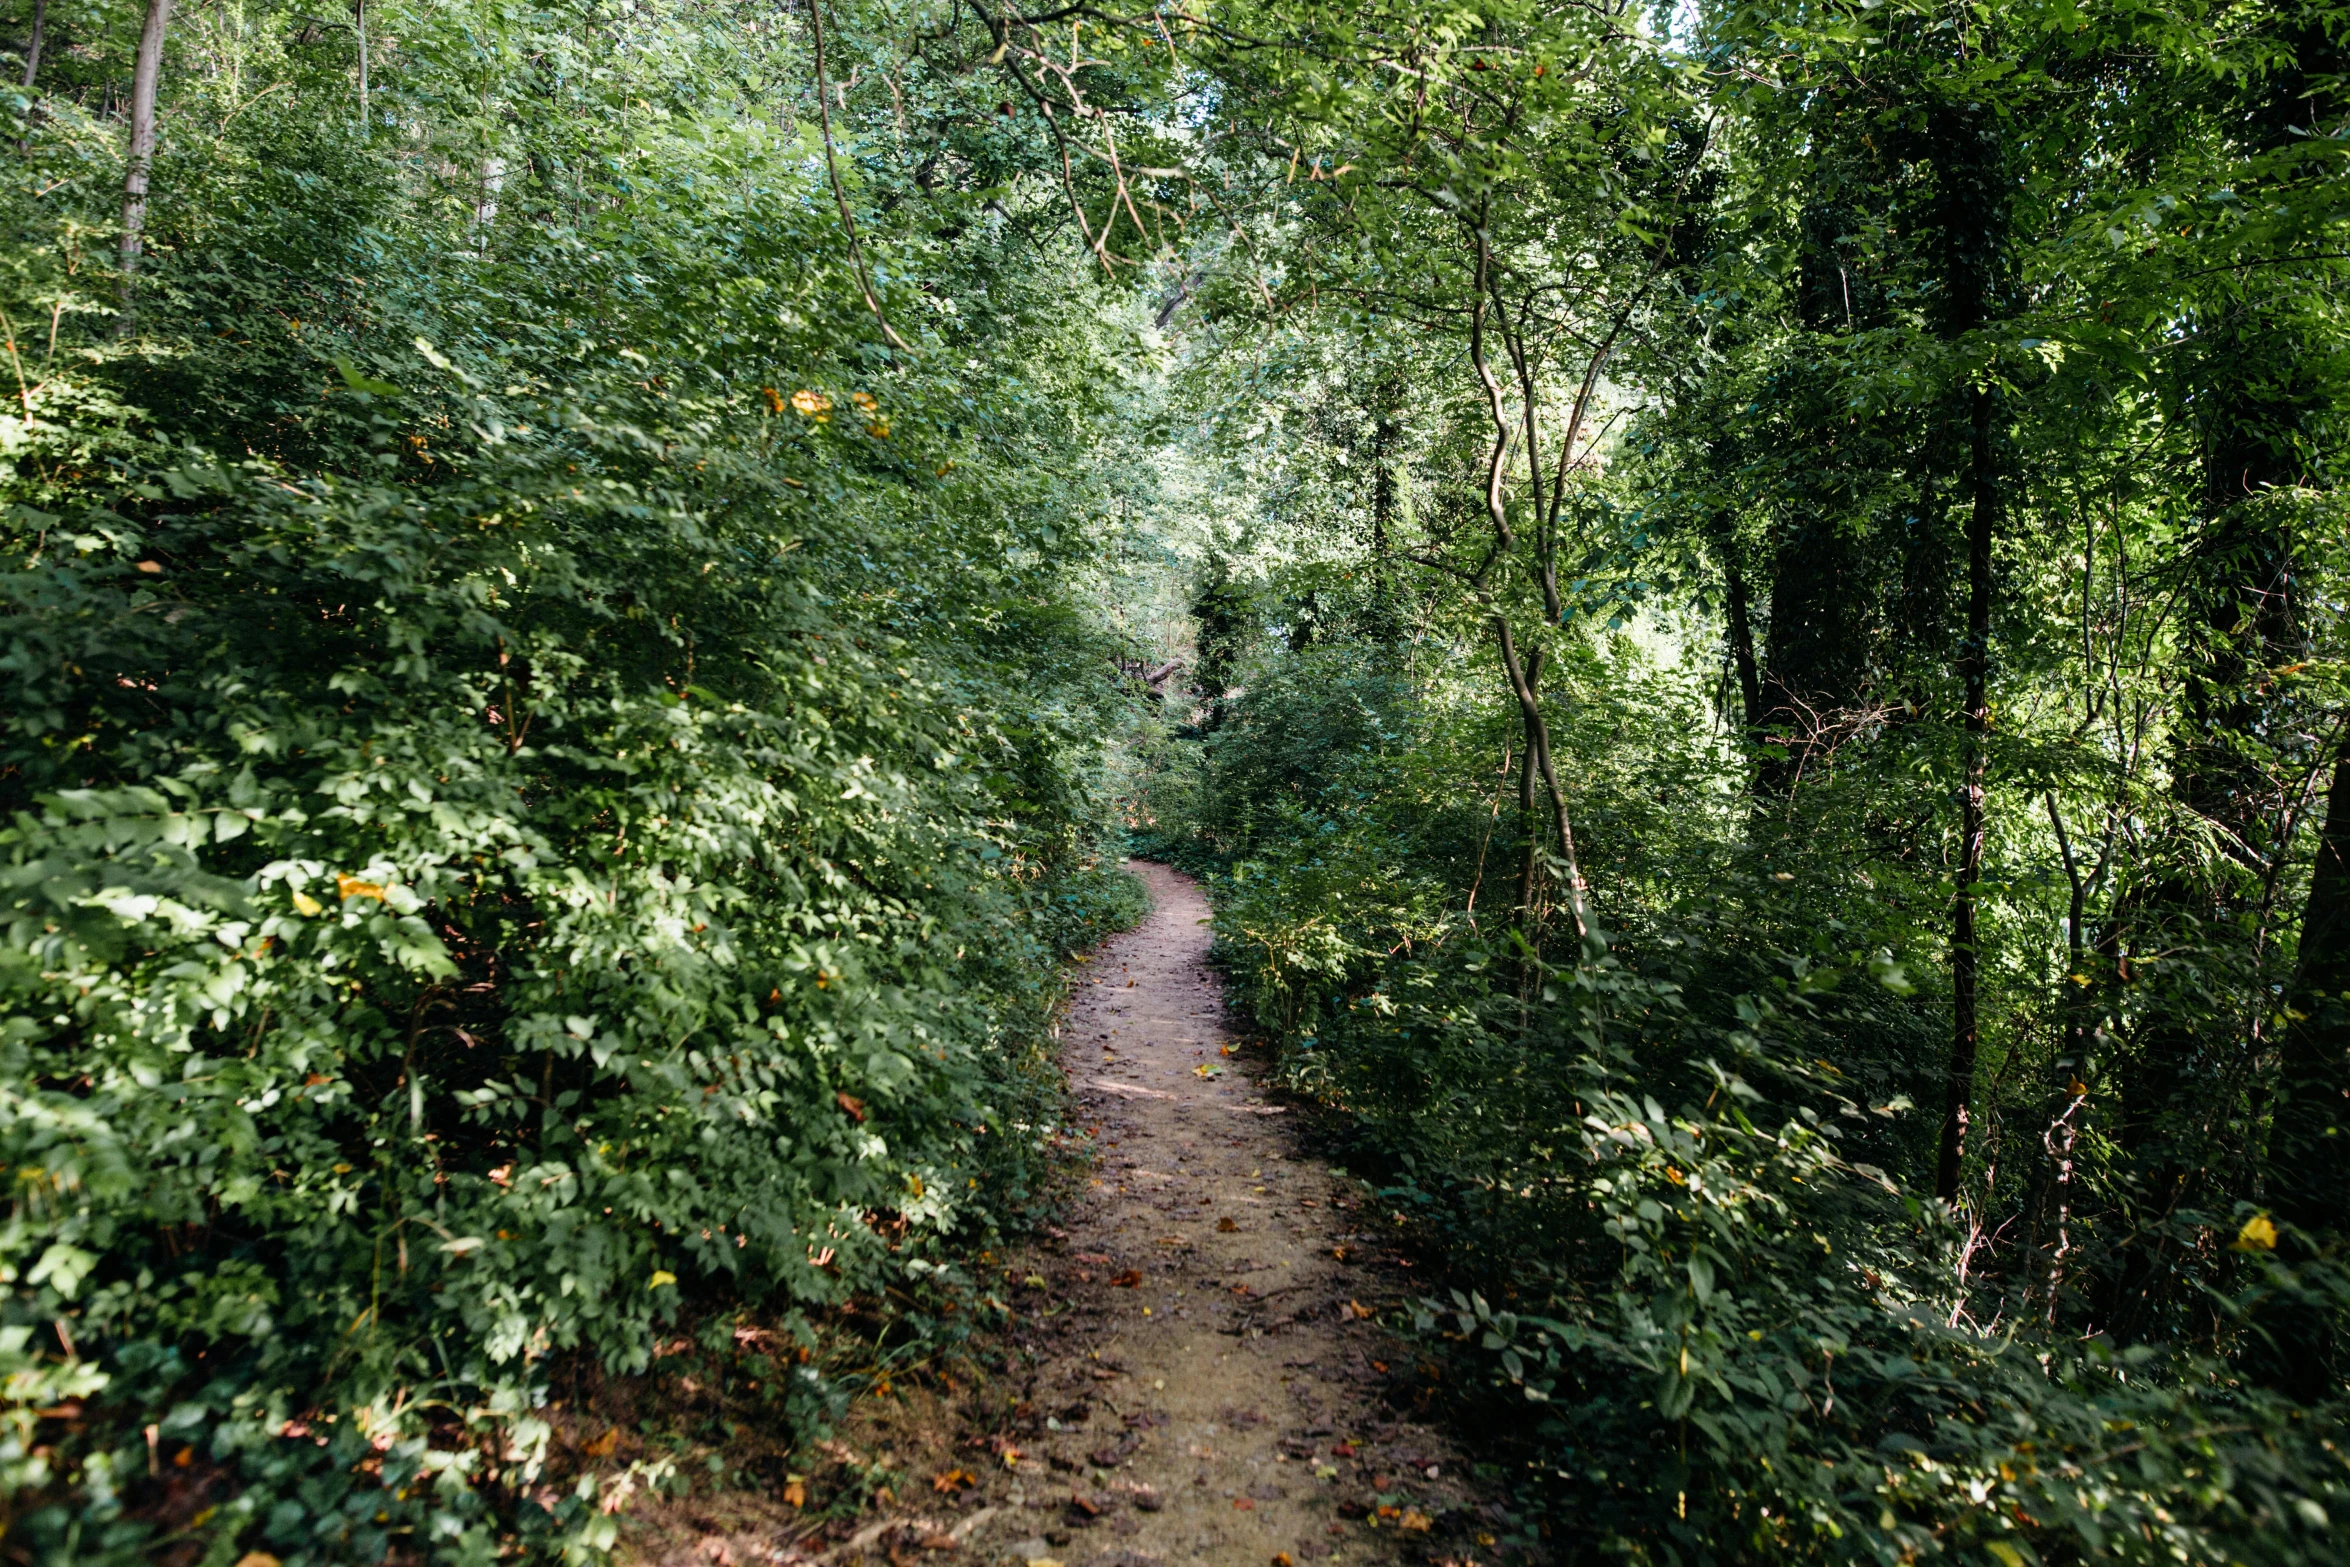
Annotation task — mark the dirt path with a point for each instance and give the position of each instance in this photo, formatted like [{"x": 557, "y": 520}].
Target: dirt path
[{"x": 1209, "y": 1382}]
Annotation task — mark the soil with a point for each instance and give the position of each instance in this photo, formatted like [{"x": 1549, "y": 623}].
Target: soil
[{"x": 1198, "y": 1372}]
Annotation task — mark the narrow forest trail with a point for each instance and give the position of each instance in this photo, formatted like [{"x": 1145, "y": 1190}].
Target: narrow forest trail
[
  {"x": 1197, "y": 1373},
  {"x": 1216, "y": 1379}
]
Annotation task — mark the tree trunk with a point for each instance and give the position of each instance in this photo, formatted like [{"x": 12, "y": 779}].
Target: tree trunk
[
  {"x": 1529, "y": 836},
  {"x": 32, "y": 49},
  {"x": 1537, "y": 736},
  {"x": 2298, "y": 1346},
  {"x": 2309, "y": 1148},
  {"x": 1816, "y": 663},
  {"x": 1742, "y": 649},
  {"x": 1387, "y": 480},
  {"x": 1974, "y": 660},
  {"x": 145, "y": 76}
]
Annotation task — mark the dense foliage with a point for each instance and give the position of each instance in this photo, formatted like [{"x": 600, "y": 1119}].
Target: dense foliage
[
  {"x": 1774, "y": 740},
  {"x": 547, "y": 767},
  {"x": 1760, "y": 587}
]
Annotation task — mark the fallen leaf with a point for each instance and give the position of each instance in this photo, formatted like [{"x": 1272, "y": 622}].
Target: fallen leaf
[
  {"x": 1416, "y": 1521},
  {"x": 602, "y": 1446},
  {"x": 1244, "y": 1504},
  {"x": 1011, "y": 1457},
  {"x": 1357, "y": 1310},
  {"x": 1282, "y": 1559},
  {"x": 953, "y": 1480},
  {"x": 1127, "y": 1280},
  {"x": 941, "y": 1542},
  {"x": 795, "y": 1493},
  {"x": 1226, "y": 1226}
]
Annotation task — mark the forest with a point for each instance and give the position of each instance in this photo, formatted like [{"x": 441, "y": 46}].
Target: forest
[{"x": 1738, "y": 603}]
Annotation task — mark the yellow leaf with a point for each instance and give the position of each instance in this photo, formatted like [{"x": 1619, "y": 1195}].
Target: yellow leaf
[
  {"x": 661, "y": 1278},
  {"x": 2008, "y": 1555},
  {"x": 257, "y": 1559},
  {"x": 2258, "y": 1234},
  {"x": 307, "y": 904},
  {"x": 349, "y": 887},
  {"x": 795, "y": 1493},
  {"x": 812, "y": 405},
  {"x": 1416, "y": 1521}
]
